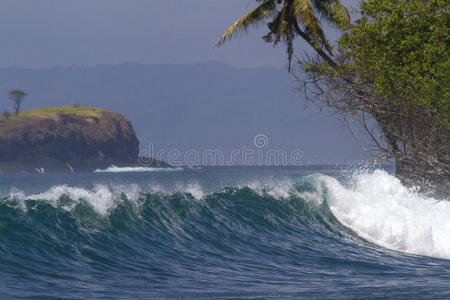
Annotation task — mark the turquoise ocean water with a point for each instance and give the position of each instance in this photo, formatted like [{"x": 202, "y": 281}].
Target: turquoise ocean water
[{"x": 280, "y": 232}]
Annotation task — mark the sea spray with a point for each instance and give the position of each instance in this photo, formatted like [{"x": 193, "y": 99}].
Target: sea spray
[
  {"x": 374, "y": 205},
  {"x": 219, "y": 233},
  {"x": 380, "y": 209},
  {"x": 101, "y": 198}
]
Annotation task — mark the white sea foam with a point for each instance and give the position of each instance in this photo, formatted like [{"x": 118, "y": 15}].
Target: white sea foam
[
  {"x": 114, "y": 169},
  {"x": 376, "y": 206},
  {"x": 102, "y": 198},
  {"x": 278, "y": 189},
  {"x": 380, "y": 209},
  {"x": 193, "y": 188}
]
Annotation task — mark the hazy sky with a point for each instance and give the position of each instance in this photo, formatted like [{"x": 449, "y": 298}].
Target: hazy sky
[
  {"x": 42, "y": 33},
  {"x": 46, "y": 33}
]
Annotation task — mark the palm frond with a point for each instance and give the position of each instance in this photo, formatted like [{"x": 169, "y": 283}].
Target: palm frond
[
  {"x": 332, "y": 10},
  {"x": 304, "y": 12},
  {"x": 324, "y": 9},
  {"x": 280, "y": 24},
  {"x": 253, "y": 18},
  {"x": 290, "y": 18},
  {"x": 289, "y": 40}
]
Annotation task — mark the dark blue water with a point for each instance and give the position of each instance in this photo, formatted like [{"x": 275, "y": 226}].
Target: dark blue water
[{"x": 221, "y": 233}]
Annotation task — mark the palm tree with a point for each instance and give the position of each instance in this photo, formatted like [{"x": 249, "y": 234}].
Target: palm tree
[{"x": 290, "y": 18}]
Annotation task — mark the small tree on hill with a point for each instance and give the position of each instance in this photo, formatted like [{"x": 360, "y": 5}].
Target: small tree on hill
[{"x": 17, "y": 97}]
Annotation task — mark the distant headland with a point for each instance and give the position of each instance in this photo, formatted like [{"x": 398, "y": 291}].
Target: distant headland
[{"x": 67, "y": 139}]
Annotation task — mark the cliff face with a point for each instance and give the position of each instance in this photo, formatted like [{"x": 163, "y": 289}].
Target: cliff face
[{"x": 61, "y": 138}]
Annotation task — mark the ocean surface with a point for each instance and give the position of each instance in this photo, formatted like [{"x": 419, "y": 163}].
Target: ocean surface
[{"x": 212, "y": 233}]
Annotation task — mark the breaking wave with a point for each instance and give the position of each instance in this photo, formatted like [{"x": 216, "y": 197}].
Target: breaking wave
[{"x": 370, "y": 208}]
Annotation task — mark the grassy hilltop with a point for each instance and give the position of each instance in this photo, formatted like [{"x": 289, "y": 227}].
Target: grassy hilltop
[
  {"x": 85, "y": 138},
  {"x": 30, "y": 117},
  {"x": 49, "y": 111},
  {"x": 62, "y": 118}
]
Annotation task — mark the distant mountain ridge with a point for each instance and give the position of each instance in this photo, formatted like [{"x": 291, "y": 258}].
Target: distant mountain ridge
[{"x": 193, "y": 107}]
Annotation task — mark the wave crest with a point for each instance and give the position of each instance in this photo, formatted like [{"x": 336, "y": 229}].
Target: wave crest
[
  {"x": 374, "y": 206},
  {"x": 381, "y": 210}
]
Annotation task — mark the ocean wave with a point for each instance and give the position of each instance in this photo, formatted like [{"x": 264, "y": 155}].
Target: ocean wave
[
  {"x": 377, "y": 207},
  {"x": 114, "y": 169},
  {"x": 374, "y": 206},
  {"x": 101, "y": 198}
]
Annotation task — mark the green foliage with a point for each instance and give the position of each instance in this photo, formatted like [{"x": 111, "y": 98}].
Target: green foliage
[
  {"x": 402, "y": 46},
  {"x": 289, "y": 18},
  {"x": 17, "y": 93},
  {"x": 17, "y": 97}
]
